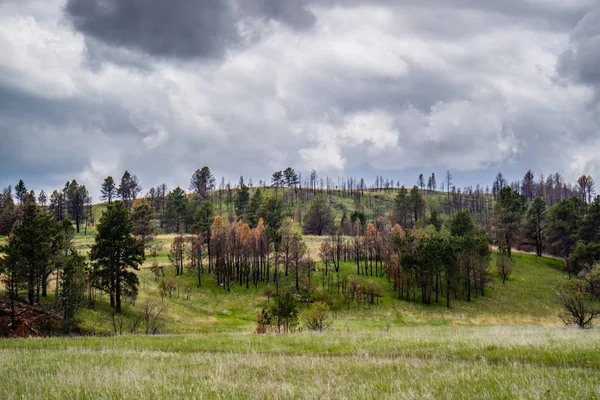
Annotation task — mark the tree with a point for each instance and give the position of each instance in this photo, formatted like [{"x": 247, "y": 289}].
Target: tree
[
  {"x": 176, "y": 206},
  {"x": 8, "y": 211},
  {"x": 108, "y": 191},
  {"x": 43, "y": 199},
  {"x": 504, "y": 262},
  {"x": 290, "y": 177},
  {"x": 252, "y": 212},
  {"x": 58, "y": 205},
  {"x": 143, "y": 228},
  {"x": 20, "y": 191},
  {"x": 316, "y": 317},
  {"x": 129, "y": 189},
  {"x": 273, "y": 213},
  {"x": 461, "y": 224},
  {"x": 448, "y": 181},
  {"x": 277, "y": 180},
  {"x": 528, "y": 186},
  {"x": 202, "y": 182},
  {"x": 284, "y": 312},
  {"x": 589, "y": 228},
  {"x": 114, "y": 252},
  {"x": 508, "y": 213},
  {"x": 33, "y": 238},
  {"x": 417, "y": 203},
  {"x": 320, "y": 218},
  {"x": 421, "y": 181},
  {"x": 585, "y": 187},
  {"x": 564, "y": 221},
  {"x": 72, "y": 288},
  {"x": 241, "y": 200},
  {"x": 402, "y": 207},
  {"x": 578, "y": 306},
  {"x": 177, "y": 254},
  {"x": 536, "y": 223},
  {"x": 77, "y": 197},
  {"x": 12, "y": 268}
]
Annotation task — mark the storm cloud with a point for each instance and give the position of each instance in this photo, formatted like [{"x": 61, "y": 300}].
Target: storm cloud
[{"x": 91, "y": 88}]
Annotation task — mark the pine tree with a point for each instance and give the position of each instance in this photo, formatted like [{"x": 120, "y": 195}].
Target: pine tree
[
  {"x": 114, "y": 252},
  {"x": 20, "y": 191},
  {"x": 320, "y": 218},
  {"x": 108, "y": 191}
]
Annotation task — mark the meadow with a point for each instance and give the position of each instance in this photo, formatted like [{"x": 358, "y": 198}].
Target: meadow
[
  {"x": 422, "y": 362},
  {"x": 508, "y": 343}
]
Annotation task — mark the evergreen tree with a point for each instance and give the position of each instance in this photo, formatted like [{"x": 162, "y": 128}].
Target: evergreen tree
[
  {"x": 77, "y": 197},
  {"x": 241, "y": 200},
  {"x": 43, "y": 199},
  {"x": 536, "y": 223},
  {"x": 508, "y": 214},
  {"x": 202, "y": 182},
  {"x": 143, "y": 227},
  {"x": 20, "y": 191},
  {"x": 417, "y": 203},
  {"x": 72, "y": 288},
  {"x": 589, "y": 231},
  {"x": 564, "y": 222},
  {"x": 176, "y": 207},
  {"x": 34, "y": 237},
  {"x": 402, "y": 208},
  {"x": 320, "y": 218},
  {"x": 108, "y": 191},
  {"x": 114, "y": 253},
  {"x": 252, "y": 213}
]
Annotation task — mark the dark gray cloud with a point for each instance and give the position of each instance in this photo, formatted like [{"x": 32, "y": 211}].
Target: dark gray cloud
[
  {"x": 581, "y": 62},
  {"x": 179, "y": 29},
  {"x": 183, "y": 28}
]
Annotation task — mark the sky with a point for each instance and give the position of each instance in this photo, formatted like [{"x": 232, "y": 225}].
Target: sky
[{"x": 91, "y": 88}]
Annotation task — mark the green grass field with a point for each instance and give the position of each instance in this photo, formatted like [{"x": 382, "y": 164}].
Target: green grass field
[{"x": 408, "y": 363}]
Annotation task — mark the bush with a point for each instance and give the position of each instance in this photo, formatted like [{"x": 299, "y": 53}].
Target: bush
[
  {"x": 579, "y": 308},
  {"x": 316, "y": 317},
  {"x": 284, "y": 313}
]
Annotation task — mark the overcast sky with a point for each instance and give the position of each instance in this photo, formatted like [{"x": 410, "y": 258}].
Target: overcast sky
[{"x": 89, "y": 88}]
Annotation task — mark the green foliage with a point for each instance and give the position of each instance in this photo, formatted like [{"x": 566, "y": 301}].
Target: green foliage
[
  {"x": 176, "y": 207},
  {"x": 584, "y": 258},
  {"x": 273, "y": 213},
  {"x": 72, "y": 288},
  {"x": 316, "y": 317},
  {"x": 202, "y": 182},
  {"x": 508, "y": 213},
  {"x": 241, "y": 200},
  {"x": 284, "y": 312},
  {"x": 320, "y": 218},
  {"x": 143, "y": 226},
  {"x": 461, "y": 224},
  {"x": 252, "y": 212},
  {"x": 114, "y": 252},
  {"x": 402, "y": 208},
  {"x": 589, "y": 229},
  {"x": 564, "y": 221},
  {"x": 504, "y": 262},
  {"x": 536, "y": 222},
  {"x": 108, "y": 190}
]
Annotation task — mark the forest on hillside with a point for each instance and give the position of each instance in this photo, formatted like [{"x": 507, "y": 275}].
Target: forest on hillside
[{"x": 430, "y": 244}]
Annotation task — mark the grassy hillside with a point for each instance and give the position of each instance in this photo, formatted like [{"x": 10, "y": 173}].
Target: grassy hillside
[
  {"x": 527, "y": 298},
  {"x": 406, "y": 363}
]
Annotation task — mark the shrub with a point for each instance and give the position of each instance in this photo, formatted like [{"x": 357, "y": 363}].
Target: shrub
[
  {"x": 316, "y": 317},
  {"x": 284, "y": 312},
  {"x": 579, "y": 308}
]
